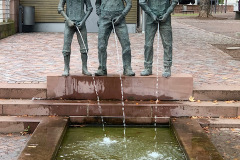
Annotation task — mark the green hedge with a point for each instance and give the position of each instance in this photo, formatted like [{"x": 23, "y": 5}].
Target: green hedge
[{"x": 7, "y": 29}]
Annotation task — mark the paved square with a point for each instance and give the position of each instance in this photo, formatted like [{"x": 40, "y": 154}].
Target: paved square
[{"x": 29, "y": 57}]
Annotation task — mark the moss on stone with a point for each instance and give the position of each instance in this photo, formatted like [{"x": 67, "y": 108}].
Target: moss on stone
[{"x": 7, "y": 29}]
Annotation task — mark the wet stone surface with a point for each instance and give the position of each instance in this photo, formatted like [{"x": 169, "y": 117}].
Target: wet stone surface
[
  {"x": 11, "y": 145},
  {"x": 227, "y": 142}
]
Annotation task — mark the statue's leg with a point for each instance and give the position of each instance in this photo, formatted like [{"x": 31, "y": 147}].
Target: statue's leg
[
  {"x": 166, "y": 35},
  {"x": 150, "y": 32},
  {"x": 122, "y": 33},
  {"x": 104, "y": 31},
  {"x": 68, "y": 35},
  {"x": 83, "y": 50}
]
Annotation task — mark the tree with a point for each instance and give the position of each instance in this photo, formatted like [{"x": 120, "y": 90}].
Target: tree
[{"x": 205, "y": 9}]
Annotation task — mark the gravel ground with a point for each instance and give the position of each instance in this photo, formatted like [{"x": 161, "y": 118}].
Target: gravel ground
[
  {"x": 227, "y": 142},
  {"x": 11, "y": 145}
]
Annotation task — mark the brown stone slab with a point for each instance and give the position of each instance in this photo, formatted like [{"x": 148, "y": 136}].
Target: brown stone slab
[
  {"x": 22, "y": 109},
  {"x": 177, "y": 87},
  {"x": 106, "y": 110},
  {"x": 163, "y": 110},
  {"x": 204, "y": 111},
  {"x": 11, "y": 127},
  {"x": 238, "y": 112},
  {"x": 207, "y": 109},
  {"x": 194, "y": 141},
  {"x": 1, "y": 109},
  {"x": 44, "y": 109},
  {"x": 45, "y": 140},
  {"x": 219, "y": 123},
  {"x": 22, "y": 91},
  {"x": 138, "y": 110},
  {"x": 76, "y": 120},
  {"x": 68, "y": 109},
  {"x": 131, "y": 110},
  {"x": 216, "y": 92},
  {"x": 114, "y": 108}
]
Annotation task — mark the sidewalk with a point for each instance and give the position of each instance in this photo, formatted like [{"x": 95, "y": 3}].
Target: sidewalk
[{"x": 30, "y": 57}]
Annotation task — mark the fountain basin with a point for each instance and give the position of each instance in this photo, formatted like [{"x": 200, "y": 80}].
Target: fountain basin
[
  {"x": 47, "y": 137},
  {"x": 111, "y": 143}
]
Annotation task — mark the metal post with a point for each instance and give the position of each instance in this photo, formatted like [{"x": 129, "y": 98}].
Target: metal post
[
  {"x": 225, "y": 6},
  {"x": 211, "y": 6},
  {"x": 215, "y": 7},
  {"x": 20, "y": 18}
]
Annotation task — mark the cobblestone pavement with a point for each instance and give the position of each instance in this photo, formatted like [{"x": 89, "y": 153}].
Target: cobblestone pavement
[
  {"x": 219, "y": 24},
  {"x": 11, "y": 145},
  {"x": 227, "y": 142},
  {"x": 30, "y": 57}
]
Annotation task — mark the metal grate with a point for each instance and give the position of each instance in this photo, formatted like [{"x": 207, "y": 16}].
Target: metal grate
[{"x": 4, "y": 10}]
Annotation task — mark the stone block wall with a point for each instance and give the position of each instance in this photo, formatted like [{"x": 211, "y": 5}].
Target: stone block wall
[{"x": 7, "y": 29}]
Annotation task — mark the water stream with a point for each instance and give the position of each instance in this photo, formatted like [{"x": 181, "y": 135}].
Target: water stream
[
  {"x": 121, "y": 82},
  {"x": 157, "y": 81},
  {"x": 120, "y": 76},
  {"x": 94, "y": 82}
]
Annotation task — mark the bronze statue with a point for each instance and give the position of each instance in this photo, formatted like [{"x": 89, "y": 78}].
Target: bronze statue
[
  {"x": 75, "y": 17},
  {"x": 113, "y": 12},
  {"x": 158, "y": 12}
]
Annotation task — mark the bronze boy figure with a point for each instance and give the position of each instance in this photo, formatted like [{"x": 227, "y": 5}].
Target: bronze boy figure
[
  {"x": 158, "y": 12},
  {"x": 75, "y": 17},
  {"x": 109, "y": 12}
]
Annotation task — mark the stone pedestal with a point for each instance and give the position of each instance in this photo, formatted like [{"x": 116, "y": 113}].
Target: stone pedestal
[{"x": 177, "y": 87}]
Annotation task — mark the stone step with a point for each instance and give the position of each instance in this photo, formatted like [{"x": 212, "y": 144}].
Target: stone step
[
  {"x": 76, "y": 120},
  {"x": 220, "y": 122},
  {"x": 203, "y": 93},
  {"x": 133, "y": 109},
  {"x": 22, "y": 91},
  {"x": 220, "y": 93}
]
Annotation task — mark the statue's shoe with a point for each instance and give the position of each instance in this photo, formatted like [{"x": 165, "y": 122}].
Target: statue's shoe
[
  {"x": 128, "y": 72},
  {"x": 146, "y": 72},
  {"x": 167, "y": 72},
  {"x": 85, "y": 72},
  {"x": 65, "y": 73},
  {"x": 101, "y": 73}
]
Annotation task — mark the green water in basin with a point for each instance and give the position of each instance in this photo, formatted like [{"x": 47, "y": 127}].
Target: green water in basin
[{"x": 138, "y": 144}]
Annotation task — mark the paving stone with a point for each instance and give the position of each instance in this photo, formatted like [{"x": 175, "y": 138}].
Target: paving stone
[
  {"x": 11, "y": 145},
  {"x": 29, "y": 57}
]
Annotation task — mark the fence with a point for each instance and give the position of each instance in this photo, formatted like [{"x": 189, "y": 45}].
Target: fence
[{"x": 4, "y": 10}]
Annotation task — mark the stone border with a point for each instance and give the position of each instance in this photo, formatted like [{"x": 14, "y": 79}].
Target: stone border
[
  {"x": 193, "y": 140},
  {"x": 46, "y": 138}
]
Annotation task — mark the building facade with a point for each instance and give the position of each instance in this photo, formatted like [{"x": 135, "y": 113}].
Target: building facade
[{"x": 48, "y": 20}]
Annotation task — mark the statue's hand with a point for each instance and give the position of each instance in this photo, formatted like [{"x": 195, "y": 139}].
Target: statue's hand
[
  {"x": 154, "y": 17},
  {"x": 70, "y": 23},
  {"x": 117, "y": 20},
  {"x": 80, "y": 24},
  {"x": 163, "y": 18}
]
